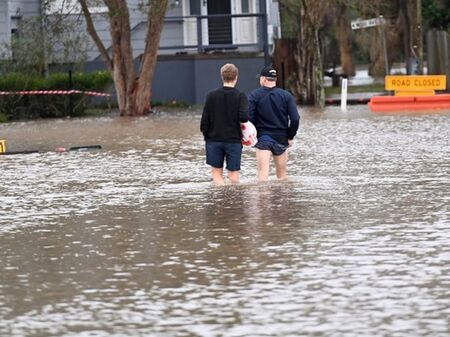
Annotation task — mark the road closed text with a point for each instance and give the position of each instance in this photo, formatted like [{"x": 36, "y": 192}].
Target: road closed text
[{"x": 433, "y": 82}]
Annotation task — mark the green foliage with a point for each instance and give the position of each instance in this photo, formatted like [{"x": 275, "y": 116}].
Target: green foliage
[
  {"x": 290, "y": 24},
  {"x": 3, "y": 117},
  {"x": 436, "y": 14},
  {"x": 99, "y": 79},
  {"x": 44, "y": 40},
  {"x": 48, "y": 106}
]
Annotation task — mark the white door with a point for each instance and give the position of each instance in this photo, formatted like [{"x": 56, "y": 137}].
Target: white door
[
  {"x": 244, "y": 29},
  {"x": 194, "y": 7}
]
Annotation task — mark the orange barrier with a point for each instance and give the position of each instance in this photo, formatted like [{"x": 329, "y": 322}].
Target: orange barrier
[
  {"x": 412, "y": 92},
  {"x": 395, "y": 103}
]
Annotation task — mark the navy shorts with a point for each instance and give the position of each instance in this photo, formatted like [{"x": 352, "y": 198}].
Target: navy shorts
[
  {"x": 265, "y": 142},
  {"x": 217, "y": 152}
]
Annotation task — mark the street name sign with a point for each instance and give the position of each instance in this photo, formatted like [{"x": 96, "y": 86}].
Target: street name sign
[{"x": 358, "y": 24}]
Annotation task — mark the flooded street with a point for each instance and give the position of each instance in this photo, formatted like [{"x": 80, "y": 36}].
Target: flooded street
[{"x": 133, "y": 240}]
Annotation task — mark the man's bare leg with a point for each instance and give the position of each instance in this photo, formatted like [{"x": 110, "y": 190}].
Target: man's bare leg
[
  {"x": 281, "y": 165},
  {"x": 217, "y": 176},
  {"x": 263, "y": 162},
  {"x": 233, "y": 176}
]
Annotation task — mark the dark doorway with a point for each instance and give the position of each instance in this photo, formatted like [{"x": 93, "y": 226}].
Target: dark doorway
[{"x": 219, "y": 29}]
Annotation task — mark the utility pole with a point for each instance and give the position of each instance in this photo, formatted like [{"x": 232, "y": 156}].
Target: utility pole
[
  {"x": 383, "y": 43},
  {"x": 416, "y": 37}
]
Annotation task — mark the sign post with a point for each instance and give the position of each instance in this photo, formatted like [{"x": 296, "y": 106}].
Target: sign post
[{"x": 344, "y": 95}]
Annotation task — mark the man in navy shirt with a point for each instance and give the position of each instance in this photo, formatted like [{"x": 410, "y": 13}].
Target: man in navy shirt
[
  {"x": 225, "y": 108},
  {"x": 274, "y": 113}
]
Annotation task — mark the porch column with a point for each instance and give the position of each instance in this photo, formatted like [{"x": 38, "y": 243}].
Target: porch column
[{"x": 265, "y": 36}]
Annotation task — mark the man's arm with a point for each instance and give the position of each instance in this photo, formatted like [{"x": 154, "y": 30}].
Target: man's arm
[{"x": 294, "y": 117}]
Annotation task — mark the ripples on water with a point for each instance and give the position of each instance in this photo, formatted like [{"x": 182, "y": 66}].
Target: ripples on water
[{"x": 133, "y": 240}]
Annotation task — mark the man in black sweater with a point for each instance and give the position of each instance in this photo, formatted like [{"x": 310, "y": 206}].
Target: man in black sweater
[
  {"x": 276, "y": 118},
  {"x": 225, "y": 108}
]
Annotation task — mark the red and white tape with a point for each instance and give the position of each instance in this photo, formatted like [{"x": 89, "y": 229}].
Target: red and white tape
[{"x": 54, "y": 92}]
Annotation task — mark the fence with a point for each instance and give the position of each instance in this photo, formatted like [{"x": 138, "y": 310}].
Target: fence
[
  {"x": 438, "y": 54},
  {"x": 221, "y": 31}
]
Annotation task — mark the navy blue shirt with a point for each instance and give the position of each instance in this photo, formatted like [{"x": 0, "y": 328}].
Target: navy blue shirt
[{"x": 273, "y": 112}]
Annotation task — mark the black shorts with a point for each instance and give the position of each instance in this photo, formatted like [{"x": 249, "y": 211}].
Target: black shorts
[
  {"x": 265, "y": 142},
  {"x": 217, "y": 152}
]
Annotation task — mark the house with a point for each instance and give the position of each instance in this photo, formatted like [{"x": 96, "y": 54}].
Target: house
[{"x": 198, "y": 37}]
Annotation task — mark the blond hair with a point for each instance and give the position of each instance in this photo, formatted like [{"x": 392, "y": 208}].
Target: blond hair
[{"x": 229, "y": 72}]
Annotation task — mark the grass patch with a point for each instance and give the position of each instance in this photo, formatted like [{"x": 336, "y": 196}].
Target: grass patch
[
  {"x": 378, "y": 87},
  {"x": 3, "y": 117},
  {"x": 171, "y": 104}
]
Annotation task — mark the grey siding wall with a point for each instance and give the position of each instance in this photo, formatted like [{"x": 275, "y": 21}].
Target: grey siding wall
[
  {"x": 10, "y": 8},
  {"x": 25, "y": 8},
  {"x": 4, "y": 23},
  {"x": 172, "y": 35},
  {"x": 102, "y": 27},
  {"x": 190, "y": 77},
  {"x": 207, "y": 74}
]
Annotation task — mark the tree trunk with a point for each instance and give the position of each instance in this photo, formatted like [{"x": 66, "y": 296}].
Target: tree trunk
[
  {"x": 133, "y": 92},
  {"x": 284, "y": 62},
  {"x": 143, "y": 92},
  {"x": 345, "y": 42},
  {"x": 318, "y": 73},
  {"x": 377, "y": 63},
  {"x": 309, "y": 86},
  {"x": 403, "y": 27},
  {"x": 308, "y": 67},
  {"x": 416, "y": 51},
  {"x": 122, "y": 58}
]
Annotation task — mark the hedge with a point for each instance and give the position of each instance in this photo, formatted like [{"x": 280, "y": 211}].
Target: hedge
[{"x": 49, "y": 106}]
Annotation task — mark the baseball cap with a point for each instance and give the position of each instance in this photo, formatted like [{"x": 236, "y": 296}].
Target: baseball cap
[{"x": 268, "y": 72}]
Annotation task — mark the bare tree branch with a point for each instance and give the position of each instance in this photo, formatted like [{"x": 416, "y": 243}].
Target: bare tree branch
[{"x": 93, "y": 33}]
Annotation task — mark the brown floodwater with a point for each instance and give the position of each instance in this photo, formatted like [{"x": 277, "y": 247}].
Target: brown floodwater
[{"x": 134, "y": 240}]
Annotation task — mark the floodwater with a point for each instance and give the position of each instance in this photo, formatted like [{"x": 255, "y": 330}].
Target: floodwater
[{"x": 133, "y": 240}]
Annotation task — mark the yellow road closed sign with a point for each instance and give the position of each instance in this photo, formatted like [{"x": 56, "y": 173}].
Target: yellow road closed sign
[{"x": 415, "y": 82}]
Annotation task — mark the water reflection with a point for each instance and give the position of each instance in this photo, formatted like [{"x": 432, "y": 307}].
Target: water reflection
[{"x": 134, "y": 240}]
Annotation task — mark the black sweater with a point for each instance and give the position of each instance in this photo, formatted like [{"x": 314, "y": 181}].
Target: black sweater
[{"x": 225, "y": 108}]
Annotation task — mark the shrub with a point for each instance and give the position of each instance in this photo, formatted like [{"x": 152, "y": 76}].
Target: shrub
[{"x": 18, "y": 106}]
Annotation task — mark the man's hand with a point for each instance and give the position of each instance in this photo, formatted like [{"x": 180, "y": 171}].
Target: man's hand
[{"x": 290, "y": 142}]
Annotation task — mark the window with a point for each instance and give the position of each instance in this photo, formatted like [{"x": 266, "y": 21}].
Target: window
[
  {"x": 245, "y": 6},
  {"x": 15, "y": 34},
  {"x": 71, "y": 7},
  {"x": 15, "y": 27},
  {"x": 194, "y": 5}
]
